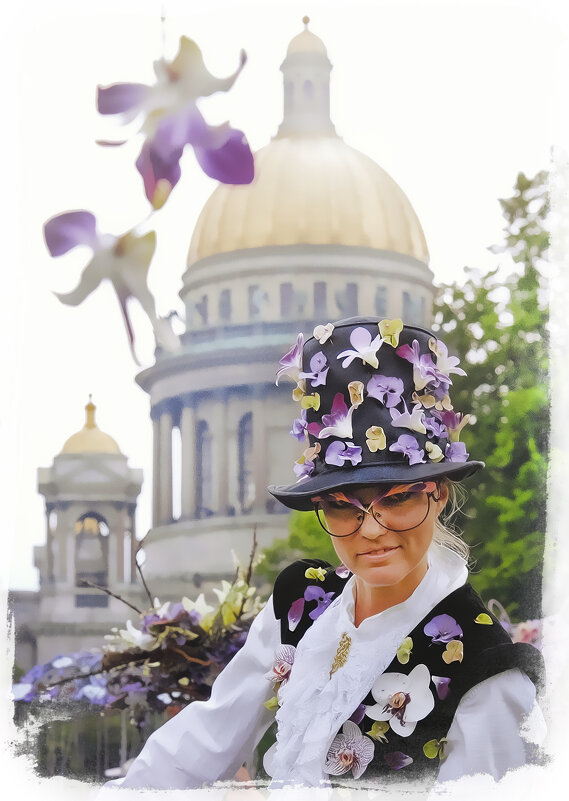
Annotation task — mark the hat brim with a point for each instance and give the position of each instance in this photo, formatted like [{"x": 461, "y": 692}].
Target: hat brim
[{"x": 299, "y": 496}]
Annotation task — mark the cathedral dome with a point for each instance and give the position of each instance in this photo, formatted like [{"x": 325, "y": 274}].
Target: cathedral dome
[
  {"x": 310, "y": 190},
  {"x": 90, "y": 439},
  {"x": 310, "y": 187}
]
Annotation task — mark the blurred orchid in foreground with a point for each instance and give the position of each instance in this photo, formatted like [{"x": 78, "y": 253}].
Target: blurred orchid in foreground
[
  {"x": 124, "y": 260},
  {"x": 173, "y": 120}
]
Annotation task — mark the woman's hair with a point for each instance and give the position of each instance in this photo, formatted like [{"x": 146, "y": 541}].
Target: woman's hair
[{"x": 446, "y": 533}]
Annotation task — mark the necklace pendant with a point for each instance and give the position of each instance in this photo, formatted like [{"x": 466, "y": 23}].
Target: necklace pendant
[{"x": 342, "y": 653}]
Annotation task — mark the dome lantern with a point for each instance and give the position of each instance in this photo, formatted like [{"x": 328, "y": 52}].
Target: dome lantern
[{"x": 306, "y": 76}]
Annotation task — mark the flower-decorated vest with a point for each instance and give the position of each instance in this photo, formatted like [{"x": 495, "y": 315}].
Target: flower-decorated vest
[{"x": 407, "y": 714}]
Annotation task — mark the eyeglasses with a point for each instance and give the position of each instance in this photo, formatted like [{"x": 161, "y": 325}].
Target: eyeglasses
[{"x": 399, "y": 508}]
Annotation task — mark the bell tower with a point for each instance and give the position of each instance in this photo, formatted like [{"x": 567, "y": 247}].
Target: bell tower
[{"x": 90, "y": 501}]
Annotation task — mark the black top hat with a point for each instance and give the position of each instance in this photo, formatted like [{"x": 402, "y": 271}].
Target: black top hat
[{"x": 375, "y": 406}]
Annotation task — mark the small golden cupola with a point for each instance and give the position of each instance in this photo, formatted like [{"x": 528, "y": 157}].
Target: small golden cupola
[{"x": 90, "y": 439}]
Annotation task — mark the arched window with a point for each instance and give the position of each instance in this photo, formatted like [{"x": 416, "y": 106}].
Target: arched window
[
  {"x": 246, "y": 481},
  {"x": 204, "y": 487},
  {"x": 381, "y": 301},
  {"x": 320, "y": 305},
  {"x": 91, "y": 559},
  {"x": 413, "y": 309}
]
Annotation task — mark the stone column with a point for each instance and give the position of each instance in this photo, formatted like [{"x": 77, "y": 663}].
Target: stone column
[
  {"x": 260, "y": 463},
  {"x": 218, "y": 426},
  {"x": 133, "y": 547},
  {"x": 155, "y": 472},
  {"x": 165, "y": 469},
  {"x": 188, "y": 436},
  {"x": 49, "y": 577}
]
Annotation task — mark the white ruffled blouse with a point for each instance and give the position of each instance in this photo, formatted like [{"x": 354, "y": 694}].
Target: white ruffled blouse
[{"x": 208, "y": 741}]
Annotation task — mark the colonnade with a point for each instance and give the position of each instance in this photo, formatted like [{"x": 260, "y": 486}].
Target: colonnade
[{"x": 186, "y": 413}]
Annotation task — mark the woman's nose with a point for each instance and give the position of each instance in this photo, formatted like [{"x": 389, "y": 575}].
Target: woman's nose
[{"x": 371, "y": 527}]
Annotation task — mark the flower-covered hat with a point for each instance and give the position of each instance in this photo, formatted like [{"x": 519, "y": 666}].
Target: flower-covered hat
[{"x": 374, "y": 407}]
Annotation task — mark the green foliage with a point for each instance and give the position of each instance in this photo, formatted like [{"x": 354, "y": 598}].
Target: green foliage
[
  {"x": 501, "y": 326},
  {"x": 307, "y": 540}
]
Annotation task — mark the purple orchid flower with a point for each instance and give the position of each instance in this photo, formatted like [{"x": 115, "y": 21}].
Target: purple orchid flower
[
  {"x": 172, "y": 121},
  {"x": 339, "y": 452},
  {"x": 387, "y": 389},
  {"x": 336, "y": 424},
  {"x": 456, "y": 452},
  {"x": 299, "y": 426},
  {"x": 123, "y": 260},
  {"x": 426, "y": 375},
  {"x": 442, "y": 686},
  {"x": 434, "y": 427},
  {"x": 295, "y": 613},
  {"x": 342, "y": 571},
  {"x": 406, "y": 419},
  {"x": 442, "y": 628},
  {"x": 291, "y": 362},
  {"x": 445, "y": 363},
  {"x": 318, "y": 370},
  {"x": 304, "y": 469},
  {"x": 323, "y": 599},
  {"x": 455, "y": 422},
  {"x": 409, "y": 447},
  {"x": 364, "y": 348},
  {"x": 397, "y": 760}
]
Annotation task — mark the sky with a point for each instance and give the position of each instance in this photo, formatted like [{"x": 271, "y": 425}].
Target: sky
[{"x": 452, "y": 99}]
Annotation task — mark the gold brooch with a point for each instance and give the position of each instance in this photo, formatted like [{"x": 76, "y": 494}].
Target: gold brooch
[{"x": 341, "y": 653}]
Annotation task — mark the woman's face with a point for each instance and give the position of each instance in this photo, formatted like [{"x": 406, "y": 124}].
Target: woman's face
[{"x": 385, "y": 558}]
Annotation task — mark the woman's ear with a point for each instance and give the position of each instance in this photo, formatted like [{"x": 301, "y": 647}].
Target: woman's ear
[{"x": 443, "y": 497}]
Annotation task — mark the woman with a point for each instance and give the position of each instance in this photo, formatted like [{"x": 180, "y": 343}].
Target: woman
[{"x": 389, "y": 665}]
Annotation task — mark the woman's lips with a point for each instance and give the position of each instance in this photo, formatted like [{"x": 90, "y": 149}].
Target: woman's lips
[{"x": 378, "y": 553}]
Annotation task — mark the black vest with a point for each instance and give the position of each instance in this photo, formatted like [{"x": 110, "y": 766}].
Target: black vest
[{"x": 486, "y": 650}]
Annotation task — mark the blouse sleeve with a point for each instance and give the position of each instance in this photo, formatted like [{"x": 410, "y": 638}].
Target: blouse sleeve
[
  {"x": 485, "y": 736},
  {"x": 209, "y": 740}
]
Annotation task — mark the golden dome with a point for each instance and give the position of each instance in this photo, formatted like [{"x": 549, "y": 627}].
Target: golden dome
[
  {"x": 90, "y": 439},
  {"x": 310, "y": 190}
]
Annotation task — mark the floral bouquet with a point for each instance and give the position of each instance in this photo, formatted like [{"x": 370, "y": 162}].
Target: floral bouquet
[{"x": 164, "y": 660}]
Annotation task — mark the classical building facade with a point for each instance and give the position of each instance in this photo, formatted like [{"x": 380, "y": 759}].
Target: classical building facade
[{"x": 322, "y": 233}]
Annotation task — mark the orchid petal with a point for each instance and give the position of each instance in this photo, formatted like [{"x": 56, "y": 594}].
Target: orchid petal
[
  {"x": 376, "y": 440},
  {"x": 120, "y": 97},
  {"x": 484, "y": 619},
  {"x": 404, "y": 651},
  {"x": 442, "y": 686},
  {"x": 232, "y": 163},
  {"x": 453, "y": 652},
  {"x": 317, "y": 573},
  {"x": 159, "y": 176},
  {"x": 323, "y": 332},
  {"x": 295, "y": 613},
  {"x": 434, "y": 452},
  {"x": 390, "y": 330},
  {"x": 73, "y": 228},
  {"x": 356, "y": 390},
  {"x": 397, "y": 760},
  {"x": 188, "y": 67},
  {"x": 90, "y": 279},
  {"x": 442, "y": 628}
]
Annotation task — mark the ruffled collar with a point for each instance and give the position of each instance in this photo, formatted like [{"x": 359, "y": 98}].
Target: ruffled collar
[{"x": 314, "y": 704}]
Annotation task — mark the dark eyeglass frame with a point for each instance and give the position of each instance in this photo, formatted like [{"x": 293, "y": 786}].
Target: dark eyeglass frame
[{"x": 369, "y": 511}]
